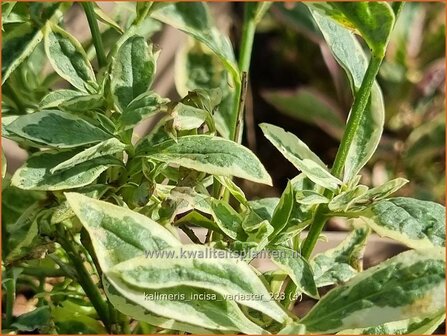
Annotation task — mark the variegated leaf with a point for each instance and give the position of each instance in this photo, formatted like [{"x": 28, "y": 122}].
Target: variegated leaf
[
  {"x": 417, "y": 224},
  {"x": 300, "y": 156},
  {"x": 199, "y": 267},
  {"x": 212, "y": 155},
  {"x": 35, "y": 173},
  {"x": 411, "y": 284}
]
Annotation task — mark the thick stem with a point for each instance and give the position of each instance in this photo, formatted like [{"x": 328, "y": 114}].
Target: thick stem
[
  {"x": 315, "y": 230},
  {"x": 84, "y": 277},
  {"x": 96, "y": 34},
  {"x": 248, "y": 34},
  {"x": 352, "y": 127},
  {"x": 241, "y": 81}
]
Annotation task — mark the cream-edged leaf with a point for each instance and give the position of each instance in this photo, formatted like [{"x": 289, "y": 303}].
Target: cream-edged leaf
[
  {"x": 57, "y": 129},
  {"x": 197, "y": 306},
  {"x": 212, "y": 155},
  {"x": 69, "y": 59},
  {"x": 118, "y": 234},
  {"x": 297, "y": 268},
  {"x": 414, "y": 326},
  {"x": 411, "y": 284},
  {"x": 415, "y": 223},
  {"x": 132, "y": 71},
  {"x": 200, "y": 267},
  {"x": 104, "y": 148},
  {"x": 350, "y": 55},
  {"x": 35, "y": 173},
  {"x": 338, "y": 265},
  {"x": 300, "y": 156}
]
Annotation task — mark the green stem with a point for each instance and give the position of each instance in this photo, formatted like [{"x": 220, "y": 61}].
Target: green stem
[
  {"x": 352, "y": 127},
  {"x": 355, "y": 117},
  {"x": 315, "y": 230},
  {"x": 241, "y": 81},
  {"x": 84, "y": 277},
  {"x": 125, "y": 326},
  {"x": 96, "y": 34},
  {"x": 248, "y": 34},
  {"x": 10, "y": 286}
]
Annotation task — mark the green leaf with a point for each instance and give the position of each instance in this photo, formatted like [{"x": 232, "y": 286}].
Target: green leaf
[
  {"x": 36, "y": 319},
  {"x": 7, "y": 8},
  {"x": 189, "y": 199},
  {"x": 380, "y": 192},
  {"x": 343, "y": 201},
  {"x": 68, "y": 59},
  {"x": 23, "y": 236},
  {"x": 71, "y": 318},
  {"x": 414, "y": 326},
  {"x": 233, "y": 188},
  {"x": 226, "y": 218},
  {"x": 374, "y": 21},
  {"x": 17, "y": 45},
  {"x": 338, "y": 265},
  {"x": 309, "y": 106},
  {"x": 257, "y": 10},
  {"x": 297, "y": 268},
  {"x": 297, "y": 18},
  {"x": 104, "y": 18},
  {"x": 197, "y": 67},
  {"x": 187, "y": 117},
  {"x": 67, "y": 130},
  {"x": 195, "y": 218},
  {"x": 283, "y": 211},
  {"x": 82, "y": 104},
  {"x": 141, "y": 10},
  {"x": 294, "y": 328},
  {"x": 55, "y": 98},
  {"x": 300, "y": 156},
  {"x": 350, "y": 55},
  {"x": 264, "y": 207},
  {"x": 139, "y": 313},
  {"x": 104, "y": 148},
  {"x": 417, "y": 224},
  {"x": 408, "y": 285},
  {"x": 118, "y": 234},
  {"x": 15, "y": 202},
  {"x": 133, "y": 70},
  {"x": 212, "y": 155},
  {"x": 194, "y": 19},
  {"x": 310, "y": 197},
  {"x": 64, "y": 212},
  {"x": 258, "y": 232},
  {"x": 35, "y": 174},
  {"x": 145, "y": 105},
  {"x": 200, "y": 267}
]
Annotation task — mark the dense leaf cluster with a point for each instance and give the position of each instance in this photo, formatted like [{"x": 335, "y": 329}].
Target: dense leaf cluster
[{"x": 92, "y": 203}]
